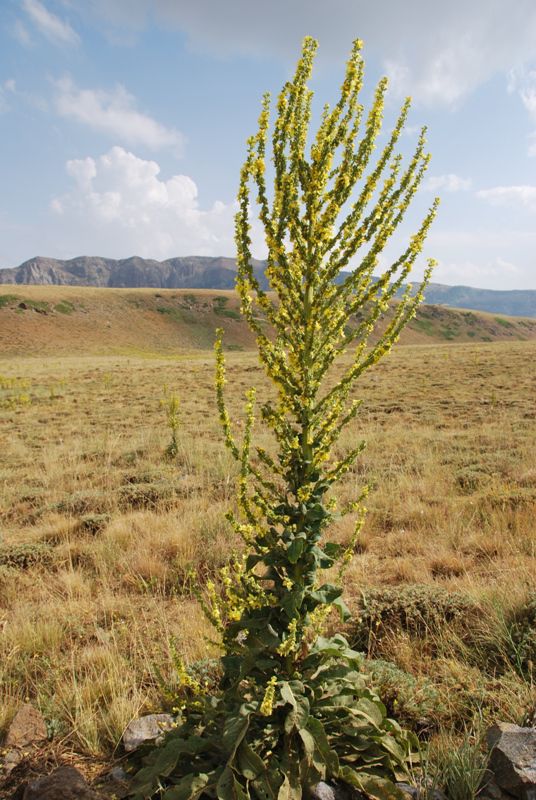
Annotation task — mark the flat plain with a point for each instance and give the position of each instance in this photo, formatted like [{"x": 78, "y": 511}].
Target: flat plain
[{"x": 104, "y": 539}]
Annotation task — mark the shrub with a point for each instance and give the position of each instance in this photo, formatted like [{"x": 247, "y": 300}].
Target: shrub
[
  {"x": 23, "y": 556},
  {"x": 418, "y": 609}
]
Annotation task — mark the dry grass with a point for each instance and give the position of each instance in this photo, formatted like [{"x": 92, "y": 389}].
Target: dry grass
[{"x": 94, "y": 605}]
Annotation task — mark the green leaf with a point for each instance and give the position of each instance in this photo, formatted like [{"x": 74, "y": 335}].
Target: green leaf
[
  {"x": 331, "y": 760},
  {"x": 188, "y": 788},
  {"x": 333, "y": 549},
  {"x": 234, "y": 730},
  {"x": 289, "y": 791},
  {"x": 292, "y": 601},
  {"x": 343, "y": 609},
  {"x": 372, "y": 785},
  {"x": 295, "y": 549},
  {"x": 372, "y": 711},
  {"x": 228, "y": 788},
  {"x": 250, "y": 764},
  {"x": 327, "y": 593},
  {"x": 292, "y": 693},
  {"x": 267, "y": 784}
]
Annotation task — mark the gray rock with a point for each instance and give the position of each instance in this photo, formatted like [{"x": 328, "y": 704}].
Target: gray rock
[
  {"x": 513, "y": 759},
  {"x": 118, "y": 774},
  {"x": 490, "y": 791},
  {"x": 333, "y": 791},
  {"x": 65, "y": 783},
  {"x": 28, "y": 728},
  {"x": 146, "y": 729},
  {"x": 415, "y": 792}
]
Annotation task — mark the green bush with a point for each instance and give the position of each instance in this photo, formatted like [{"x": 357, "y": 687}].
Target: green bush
[
  {"x": 23, "y": 556},
  {"x": 418, "y": 609}
]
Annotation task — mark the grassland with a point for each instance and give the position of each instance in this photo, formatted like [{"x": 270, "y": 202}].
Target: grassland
[
  {"x": 67, "y": 320},
  {"x": 103, "y": 538}
]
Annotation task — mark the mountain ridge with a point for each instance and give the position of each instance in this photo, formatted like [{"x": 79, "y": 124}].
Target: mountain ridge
[{"x": 219, "y": 272}]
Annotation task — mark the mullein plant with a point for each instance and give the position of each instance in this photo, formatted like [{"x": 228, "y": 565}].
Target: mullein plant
[{"x": 293, "y": 706}]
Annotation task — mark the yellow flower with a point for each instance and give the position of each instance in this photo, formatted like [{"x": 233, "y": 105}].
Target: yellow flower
[{"x": 267, "y": 705}]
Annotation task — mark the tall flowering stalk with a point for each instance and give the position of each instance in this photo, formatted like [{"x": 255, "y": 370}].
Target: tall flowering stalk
[{"x": 295, "y": 707}]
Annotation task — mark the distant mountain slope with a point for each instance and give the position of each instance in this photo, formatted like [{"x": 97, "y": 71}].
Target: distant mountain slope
[
  {"x": 513, "y": 302},
  {"x": 78, "y": 320},
  {"x": 202, "y": 272},
  {"x": 190, "y": 272}
]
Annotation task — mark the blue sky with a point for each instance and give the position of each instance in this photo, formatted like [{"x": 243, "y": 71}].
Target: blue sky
[{"x": 124, "y": 121}]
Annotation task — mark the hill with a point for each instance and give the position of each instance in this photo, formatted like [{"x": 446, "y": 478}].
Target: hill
[
  {"x": 200, "y": 272},
  {"x": 48, "y": 320}
]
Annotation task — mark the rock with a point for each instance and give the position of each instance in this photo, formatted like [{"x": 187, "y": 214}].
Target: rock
[
  {"x": 65, "y": 783},
  {"x": 416, "y": 793},
  {"x": 28, "y": 728},
  {"x": 513, "y": 759},
  {"x": 490, "y": 791},
  {"x": 333, "y": 791},
  {"x": 118, "y": 774},
  {"x": 145, "y": 729}
]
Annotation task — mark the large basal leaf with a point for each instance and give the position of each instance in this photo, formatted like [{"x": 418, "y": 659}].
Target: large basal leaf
[
  {"x": 249, "y": 763},
  {"x": 228, "y": 788},
  {"x": 331, "y": 760},
  {"x": 267, "y": 784},
  {"x": 188, "y": 788},
  {"x": 234, "y": 730},
  {"x": 295, "y": 549},
  {"x": 327, "y": 593},
  {"x": 372, "y": 785},
  {"x": 292, "y": 693}
]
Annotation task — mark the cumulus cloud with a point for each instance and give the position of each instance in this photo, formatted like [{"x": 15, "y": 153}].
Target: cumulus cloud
[
  {"x": 52, "y": 27},
  {"x": 510, "y": 196},
  {"x": 447, "y": 183},
  {"x": 120, "y": 204},
  {"x": 113, "y": 112},
  {"x": 439, "y": 52}
]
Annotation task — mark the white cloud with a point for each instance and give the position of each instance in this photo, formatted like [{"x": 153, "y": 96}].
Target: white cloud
[
  {"x": 6, "y": 88},
  {"x": 115, "y": 113},
  {"x": 47, "y": 23},
  {"x": 510, "y": 196},
  {"x": 523, "y": 81},
  {"x": 492, "y": 273},
  {"x": 20, "y": 32},
  {"x": 439, "y": 52},
  {"x": 120, "y": 205},
  {"x": 448, "y": 183}
]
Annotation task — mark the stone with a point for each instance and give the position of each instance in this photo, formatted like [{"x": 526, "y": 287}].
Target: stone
[
  {"x": 118, "y": 774},
  {"x": 490, "y": 791},
  {"x": 146, "y": 729},
  {"x": 416, "y": 793},
  {"x": 513, "y": 759},
  {"x": 65, "y": 783},
  {"x": 333, "y": 791},
  {"x": 27, "y": 729}
]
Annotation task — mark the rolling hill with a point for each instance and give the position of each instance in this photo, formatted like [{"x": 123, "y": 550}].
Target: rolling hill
[
  {"x": 201, "y": 272},
  {"x": 69, "y": 320}
]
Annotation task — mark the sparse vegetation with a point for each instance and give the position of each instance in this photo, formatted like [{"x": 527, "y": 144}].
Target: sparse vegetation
[{"x": 447, "y": 513}]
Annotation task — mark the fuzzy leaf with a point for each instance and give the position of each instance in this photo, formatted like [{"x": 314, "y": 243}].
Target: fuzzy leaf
[
  {"x": 188, "y": 788},
  {"x": 295, "y": 549},
  {"x": 250, "y": 763},
  {"x": 228, "y": 788}
]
